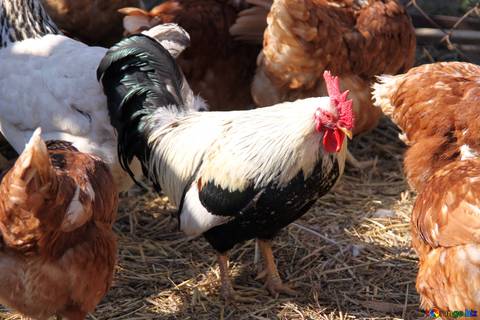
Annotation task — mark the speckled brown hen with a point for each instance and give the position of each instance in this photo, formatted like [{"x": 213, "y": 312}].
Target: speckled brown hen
[
  {"x": 58, "y": 250},
  {"x": 354, "y": 39},
  {"x": 446, "y": 235},
  {"x": 92, "y": 22},
  {"x": 437, "y": 107},
  {"x": 216, "y": 66}
]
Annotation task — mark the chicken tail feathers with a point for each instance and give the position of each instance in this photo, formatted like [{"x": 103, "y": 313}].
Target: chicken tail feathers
[
  {"x": 139, "y": 76},
  {"x": 25, "y": 187}
]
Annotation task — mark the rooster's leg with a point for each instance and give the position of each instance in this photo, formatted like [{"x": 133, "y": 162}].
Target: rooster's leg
[
  {"x": 273, "y": 283},
  {"x": 228, "y": 293},
  {"x": 256, "y": 258}
]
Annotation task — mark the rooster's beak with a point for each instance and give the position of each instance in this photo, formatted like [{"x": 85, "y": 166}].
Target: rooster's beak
[{"x": 347, "y": 132}]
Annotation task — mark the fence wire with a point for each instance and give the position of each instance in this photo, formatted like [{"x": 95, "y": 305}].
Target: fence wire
[{"x": 446, "y": 30}]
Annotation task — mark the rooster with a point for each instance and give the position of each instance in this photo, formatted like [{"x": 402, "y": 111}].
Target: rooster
[
  {"x": 216, "y": 66},
  {"x": 48, "y": 81},
  {"x": 235, "y": 175},
  {"x": 355, "y": 39},
  {"x": 437, "y": 108},
  {"x": 58, "y": 250}
]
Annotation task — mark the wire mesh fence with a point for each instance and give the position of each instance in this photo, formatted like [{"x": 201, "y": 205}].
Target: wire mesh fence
[{"x": 446, "y": 30}]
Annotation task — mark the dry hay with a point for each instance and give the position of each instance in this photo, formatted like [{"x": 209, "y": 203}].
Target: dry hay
[{"x": 349, "y": 256}]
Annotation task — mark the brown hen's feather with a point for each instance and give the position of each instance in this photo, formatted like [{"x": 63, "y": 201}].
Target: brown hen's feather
[
  {"x": 92, "y": 22},
  {"x": 436, "y": 105},
  {"x": 305, "y": 37},
  {"x": 57, "y": 207},
  {"x": 445, "y": 228},
  {"x": 216, "y": 66}
]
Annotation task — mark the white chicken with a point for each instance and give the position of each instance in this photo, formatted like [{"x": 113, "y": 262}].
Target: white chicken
[{"x": 49, "y": 81}]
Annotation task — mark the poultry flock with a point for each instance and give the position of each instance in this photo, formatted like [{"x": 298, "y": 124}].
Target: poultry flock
[{"x": 238, "y": 111}]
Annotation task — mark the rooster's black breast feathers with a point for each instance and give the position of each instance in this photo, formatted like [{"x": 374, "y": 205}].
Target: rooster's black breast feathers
[
  {"x": 223, "y": 202},
  {"x": 261, "y": 213}
]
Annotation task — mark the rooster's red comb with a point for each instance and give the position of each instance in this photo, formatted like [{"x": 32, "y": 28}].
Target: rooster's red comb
[{"x": 339, "y": 100}]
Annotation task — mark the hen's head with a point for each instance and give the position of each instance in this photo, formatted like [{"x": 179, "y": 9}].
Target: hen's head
[{"x": 336, "y": 120}]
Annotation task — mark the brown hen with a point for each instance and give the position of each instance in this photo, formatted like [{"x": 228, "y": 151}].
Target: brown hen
[
  {"x": 216, "y": 66},
  {"x": 437, "y": 107},
  {"x": 354, "y": 39},
  {"x": 446, "y": 235},
  {"x": 92, "y": 22},
  {"x": 58, "y": 252}
]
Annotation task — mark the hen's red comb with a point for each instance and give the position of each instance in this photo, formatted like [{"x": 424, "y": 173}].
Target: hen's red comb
[{"x": 339, "y": 100}]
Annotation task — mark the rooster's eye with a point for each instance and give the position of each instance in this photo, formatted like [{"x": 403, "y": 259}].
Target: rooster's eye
[{"x": 329, "y": 118}]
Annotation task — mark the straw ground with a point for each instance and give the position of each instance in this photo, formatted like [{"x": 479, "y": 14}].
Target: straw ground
[{"x": 349, "y": 257}]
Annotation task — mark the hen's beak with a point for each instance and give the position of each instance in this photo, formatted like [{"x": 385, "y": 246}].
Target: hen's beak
[{"x": 347, "y": 132}]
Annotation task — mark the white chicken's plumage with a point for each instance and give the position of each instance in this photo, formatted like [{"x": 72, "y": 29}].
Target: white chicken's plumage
[
  {"x": 59, "y": 71},
  {"x": 50, "y": 83}
]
